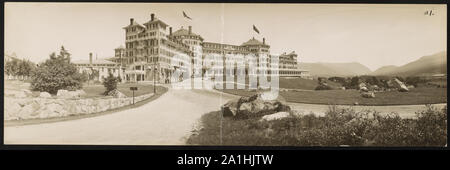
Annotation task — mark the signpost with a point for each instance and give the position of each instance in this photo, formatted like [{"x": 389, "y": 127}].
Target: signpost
[{"x": 133, "y": 89}]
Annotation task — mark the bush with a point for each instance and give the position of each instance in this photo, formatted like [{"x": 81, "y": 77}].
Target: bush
[
  {"x": 21, "y": 68},
  {"x": 337, "y": 127},
  {"x": 57, "y": 73},
  {"x": 110, "y": 83},
  {"x": 323, "y": 87}
]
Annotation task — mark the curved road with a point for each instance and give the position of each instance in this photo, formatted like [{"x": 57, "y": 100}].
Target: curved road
[{"x": 167, "y": 120}]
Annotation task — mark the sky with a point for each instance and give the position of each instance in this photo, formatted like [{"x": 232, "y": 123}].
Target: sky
[{"x": 374, "y": 35}]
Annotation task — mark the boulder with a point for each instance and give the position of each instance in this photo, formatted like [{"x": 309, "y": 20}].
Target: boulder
[
  {"x": 361, "y": 85},
  {"x": 51, "y": 110},
  {"x": 230, "y": 108},
  {"x": 254, "y": 106},
  {"x": 45, "y": 95},
  {"x": 65, "y": 94},
  {"x": 18, "y": 94},
  {"x": 399, "y": 85},
  {"x": 12, "y": 111},
  {"x": 364, "y": 89},
  {"x": 27, "y": 92},
  {"x": 368, "y": 94},
  {"x": 275, "y": 116},
  {"x": 375, "y": 88},
  {"x": 116, "y": 93},
  {"x": 26, "y": 112}
]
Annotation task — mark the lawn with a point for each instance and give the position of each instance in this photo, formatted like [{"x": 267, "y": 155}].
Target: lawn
[
  {"x": 338, "y": 127},
  {"x": 98, "y": 90},
  {"x": 305, "y": 84},
  {"x": 349, "y": 97}
]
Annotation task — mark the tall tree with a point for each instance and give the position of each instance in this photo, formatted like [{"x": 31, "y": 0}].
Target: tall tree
[{"x": 57, "y": 73}]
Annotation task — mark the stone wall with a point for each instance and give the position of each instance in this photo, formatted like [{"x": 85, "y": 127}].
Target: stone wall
[{"x": 17, "y": 108}]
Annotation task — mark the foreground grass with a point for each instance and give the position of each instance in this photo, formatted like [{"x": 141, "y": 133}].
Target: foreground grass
[
  {"x": 349, "y": 97},
  {"x": 338, "y": 127}
]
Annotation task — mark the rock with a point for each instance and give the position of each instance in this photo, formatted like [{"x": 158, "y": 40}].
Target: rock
[
  {"x": 245, "y": 107},
  {"x": 12, "y": 111},
  {"x": 342, "y": 88},
  {"x": 355, "y": 103},
  {"x": 26, "y": 112},
  {"x": 230, "y": 108},
  {"x": 65, "y": 94},
  {"x": 18, "y": 94},
  {"x": 275, "y": 116},
  {"x": 364, "y": 89},
  {"x": 51, "y": 110},
  {"x": 45, "y": 95},
  {"x": 410, "y": 87},
  {"x": 116, "y": 93},
  {"x": 254, "y": 106},
  {"x": 27, "y": 92},
  {"x": 283, "y": 108},
  {"x": 361, "y": 85},
  {"x": 399, "y": 85},
  {"x": 375, "y": 88},
  {"x": 368, "y": 94}
]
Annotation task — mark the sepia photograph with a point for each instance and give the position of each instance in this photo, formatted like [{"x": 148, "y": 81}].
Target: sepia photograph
[{"x": 225, "y": 74}]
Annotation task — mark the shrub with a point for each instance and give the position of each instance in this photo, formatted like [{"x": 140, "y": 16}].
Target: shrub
[
  {"x": 337, "y": 127},
  {"x": 56, "y": 73},
  {"x": 110, "y": 83},
  {"x": 323, "y": 87},
  {"x": 22, "y": 68}
]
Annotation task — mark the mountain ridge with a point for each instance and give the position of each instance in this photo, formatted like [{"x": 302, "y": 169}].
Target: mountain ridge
[{"x": 424, "y": 66}]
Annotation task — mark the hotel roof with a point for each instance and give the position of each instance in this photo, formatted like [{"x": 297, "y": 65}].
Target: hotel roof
[
  {"x": 253, "y": 41},
  {"x": 134, "y": 23},
  {"x": 183, "y": 31}
]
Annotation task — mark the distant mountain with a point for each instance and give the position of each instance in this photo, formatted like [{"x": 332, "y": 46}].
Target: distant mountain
[
  {"x": 426, "y": 65},
  {"x": 335, "y": 69}
]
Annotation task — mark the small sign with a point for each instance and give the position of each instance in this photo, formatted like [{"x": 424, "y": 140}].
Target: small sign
[{"x": 133, "y": 88}]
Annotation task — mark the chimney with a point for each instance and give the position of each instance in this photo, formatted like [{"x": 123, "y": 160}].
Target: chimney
[
  {"x": 190, "y": 29},
  {"x": 170, "y": 30},
  {"x": 131, "y": 21},
  {"x": 152, "y": 16},
  {"x": 90, "y": 59},
  {"x": 264, "y": 40}
]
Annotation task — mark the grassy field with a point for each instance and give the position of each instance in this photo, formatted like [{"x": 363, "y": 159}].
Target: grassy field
[
  {"x": 98, "y": 90},
  {"x": 349, "y": 97},
  {"x": 305, "y": 84},
  {"x": 92, "y": 90},
  {"x": 338, "y": 127}
]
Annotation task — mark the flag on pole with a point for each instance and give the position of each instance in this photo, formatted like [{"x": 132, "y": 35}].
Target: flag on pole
[
  {"x": 255, "y": 29},
  {"x": 184, "y": 14}
]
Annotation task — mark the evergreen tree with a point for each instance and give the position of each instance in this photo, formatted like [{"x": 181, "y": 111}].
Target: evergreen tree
[{"x": 57, "y": 73}]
